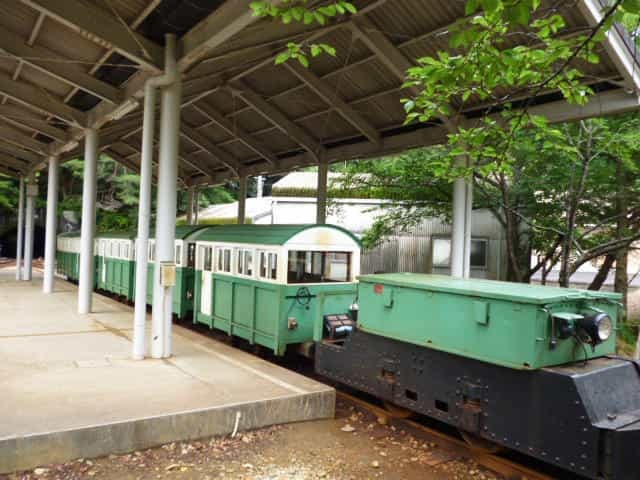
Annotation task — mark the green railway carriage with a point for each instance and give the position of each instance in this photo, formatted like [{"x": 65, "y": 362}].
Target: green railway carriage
[
  {"x": 267, "y": 283},
  {"x": 185, "y": 257},
  {"x": 68, "y": 255},
  {"x": 115, "y": 265}
]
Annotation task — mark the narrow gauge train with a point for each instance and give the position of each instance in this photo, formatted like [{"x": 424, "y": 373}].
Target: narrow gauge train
[
  {"x": 257, "y": 282},
  {"x": 526, "y": 367}
]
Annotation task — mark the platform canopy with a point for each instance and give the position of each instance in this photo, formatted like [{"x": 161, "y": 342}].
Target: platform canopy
[{"x": 69, "y": 65}]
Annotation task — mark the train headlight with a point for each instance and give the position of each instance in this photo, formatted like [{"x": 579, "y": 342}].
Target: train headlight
[{"x": 599, "y": 327}]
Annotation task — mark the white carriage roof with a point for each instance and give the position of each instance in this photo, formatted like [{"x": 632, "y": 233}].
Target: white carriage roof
[{"x": 72, "y": 64}]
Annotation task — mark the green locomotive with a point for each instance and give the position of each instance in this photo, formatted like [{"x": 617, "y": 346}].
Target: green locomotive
[{"x": 526, "y": 367}]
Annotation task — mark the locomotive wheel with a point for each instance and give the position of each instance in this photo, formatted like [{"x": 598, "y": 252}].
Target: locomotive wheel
[
  {"x": 479, "y": 444},
  {"x": 396, "y": 411}
]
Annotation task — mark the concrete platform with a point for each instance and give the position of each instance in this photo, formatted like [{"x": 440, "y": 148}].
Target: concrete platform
[{"x": 69, "y": 388}]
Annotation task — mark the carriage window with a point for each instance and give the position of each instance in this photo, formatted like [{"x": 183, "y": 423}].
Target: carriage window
[
  {"x": 178, "y": 255},
  {"x": 319, "y": 267},
  {"x": 268, "y": 265},
  {"x": 125, "y": 251},
  {"x": 223, "y": 256},
  {"x": 245, "y": 262},
  {"x": 207, "y": 259},
  {"x": 191, "y": 255}
]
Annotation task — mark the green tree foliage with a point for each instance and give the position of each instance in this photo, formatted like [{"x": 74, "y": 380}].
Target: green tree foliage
[
  {"x": 558, "y": 197},
  {"x": 8, "y": 194},
  {"x": 117, "y": 194}
]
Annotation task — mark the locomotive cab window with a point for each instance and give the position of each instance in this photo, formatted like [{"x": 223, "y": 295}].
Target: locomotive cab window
[{"x": 318, "y": 267}]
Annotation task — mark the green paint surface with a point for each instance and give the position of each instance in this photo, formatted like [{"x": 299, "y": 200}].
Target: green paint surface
[
  {"x": 264, "y": 313},
  {"x": 497, "y": 322}
]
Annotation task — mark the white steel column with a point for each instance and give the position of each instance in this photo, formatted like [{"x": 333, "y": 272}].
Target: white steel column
[
  {"x": 321, "y": 207},
  {"x": 190, "y": 197},
  {"x": 242, "y": 199},
  {"x": 461, "y": 228},
  {"x": 32, "y": 192},
  {"x": 88, "y": 227},
  {"x": 20, "y": 232},
  {"x": 166, "y": 204},
  {"x": 144, "y": 217},
  {"x": 51, "y": 226}
]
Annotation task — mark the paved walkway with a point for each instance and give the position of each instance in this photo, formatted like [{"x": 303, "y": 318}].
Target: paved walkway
[{"x": 70, "y": 390}]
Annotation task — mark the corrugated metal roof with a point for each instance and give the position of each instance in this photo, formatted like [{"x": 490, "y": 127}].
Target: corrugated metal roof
[{"x": 356, "y": 74}]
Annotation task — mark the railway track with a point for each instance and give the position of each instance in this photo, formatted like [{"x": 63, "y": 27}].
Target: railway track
[{"x": 496, "y": 463}]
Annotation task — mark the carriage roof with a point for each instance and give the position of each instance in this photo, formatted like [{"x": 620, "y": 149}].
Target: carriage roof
[{"x": 262, "y": 234}]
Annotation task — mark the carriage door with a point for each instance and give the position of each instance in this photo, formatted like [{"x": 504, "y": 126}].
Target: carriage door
[{"x": 206, "y": 293}]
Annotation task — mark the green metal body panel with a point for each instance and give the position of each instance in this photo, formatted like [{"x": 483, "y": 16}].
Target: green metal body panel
[
  {"x": 260, "y": 311},
  {"x": 116, "y": 276},
  {"x": 502, "y": 323},
  {"x": 182, "y": 292},
  {"x": 67, "y": 264}
]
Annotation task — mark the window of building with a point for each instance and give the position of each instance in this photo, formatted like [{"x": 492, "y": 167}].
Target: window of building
[
  {"x": 152, "y": 252},
  {"x": 318, "y": 267},
  {"x": 441, "y": 252},
  {"x": 125, "y": 251},
  {"x": 245, "y": 262},
  {"x": 223, "y": 256}
]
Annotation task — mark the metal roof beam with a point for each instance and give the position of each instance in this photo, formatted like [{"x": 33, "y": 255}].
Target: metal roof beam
[
  {"x": 607, "y": 103},
  {"x": 237, "y": 132},
  {"x": 621, "y": 50},
  {"x": 103, "y": 28},
  {"x": 223, "y": 23},
  {"x": 14, "y": 163},
  {"x": 22, "y": 117},
  {"x": 203, "y": 143},
  {"x": 33, "y": 97},
  {"x": 52, "y": 64},
  {"x": 9, "y": 172},
  {"x": 17, "y": 152},
  {"x": 20, "y": 139},
  {"x": 334, "y": 100},
  {"x": 279, "y": 119},
  {"x": 381, "y": 46}
]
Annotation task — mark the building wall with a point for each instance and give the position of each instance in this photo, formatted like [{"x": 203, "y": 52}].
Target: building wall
[{"x": 413, "y": 251}]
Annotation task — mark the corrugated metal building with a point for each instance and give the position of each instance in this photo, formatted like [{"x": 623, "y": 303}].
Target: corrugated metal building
[{"x": 426, "y": 249}]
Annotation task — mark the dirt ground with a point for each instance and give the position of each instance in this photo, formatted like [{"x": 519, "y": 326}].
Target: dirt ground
[{"x": 354, "y": 446}]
